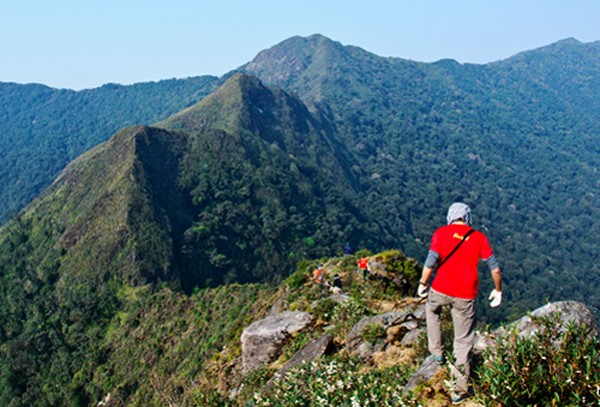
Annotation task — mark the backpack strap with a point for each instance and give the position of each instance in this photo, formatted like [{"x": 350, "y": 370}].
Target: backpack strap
[{"x": 455, "y": 249}]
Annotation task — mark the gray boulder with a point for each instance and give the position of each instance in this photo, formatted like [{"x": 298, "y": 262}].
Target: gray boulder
[
  {"x": 263, "y": 340},
  {"x": 567, "y": 311},
  {"x": 313, "y": 350},
  {"x": 428, "y": 369},
  {"x": 403, "y": 321}
]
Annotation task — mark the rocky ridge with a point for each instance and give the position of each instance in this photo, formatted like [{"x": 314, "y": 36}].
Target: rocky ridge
[{"x": 393, "y": 335}]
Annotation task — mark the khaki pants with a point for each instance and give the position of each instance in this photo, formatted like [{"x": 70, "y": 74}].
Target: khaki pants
[{"x": 463, "y": 319}]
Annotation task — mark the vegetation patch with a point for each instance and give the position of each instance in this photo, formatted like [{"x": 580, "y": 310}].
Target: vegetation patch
[{"x": 554, "y": 367}]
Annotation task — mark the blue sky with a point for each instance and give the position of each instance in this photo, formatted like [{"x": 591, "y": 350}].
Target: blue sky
[{"x": 83, "y": 44}]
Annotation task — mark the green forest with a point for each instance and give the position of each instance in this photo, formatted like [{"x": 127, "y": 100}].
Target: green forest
[
  {"x": 517, "y": 140},
  {"x": 43, "y": 129}
]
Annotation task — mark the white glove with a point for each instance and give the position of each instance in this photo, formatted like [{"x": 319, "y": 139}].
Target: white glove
[
  {"x": 495, "y": 298},
  {"x": 422, "y": 291}
]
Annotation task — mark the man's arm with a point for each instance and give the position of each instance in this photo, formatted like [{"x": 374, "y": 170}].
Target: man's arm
[
  {"x": 425, "y": 275},
  {"x": 496, "y": 295},
  {"x": 422, "y": 289},
  {"x": 430, "y": 262},
  {"x": 497, "y": 277}
]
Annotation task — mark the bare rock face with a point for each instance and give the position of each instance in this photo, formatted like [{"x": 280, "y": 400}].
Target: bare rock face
[{"x": 263, "y": 340}]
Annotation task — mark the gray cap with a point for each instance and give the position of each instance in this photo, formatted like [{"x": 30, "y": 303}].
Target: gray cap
[{"x": 459, "y": 211}]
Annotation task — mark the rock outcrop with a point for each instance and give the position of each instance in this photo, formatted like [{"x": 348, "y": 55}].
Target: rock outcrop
[
  {"x": 398, "y": 325},
  {"x": 427, "y": 370},
  {"x": 568, "y": 312},
  {"x": 313, "y": 350},
  {"x": 263, "y": 340}
]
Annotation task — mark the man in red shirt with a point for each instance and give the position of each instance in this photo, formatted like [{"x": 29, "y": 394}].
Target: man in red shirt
[
  {"x": 456, "y": 250},
  {"x": 363, "y": 265}
]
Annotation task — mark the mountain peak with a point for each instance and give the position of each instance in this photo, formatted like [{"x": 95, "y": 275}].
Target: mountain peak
[
  {"x": 243, "y": 105},
  {"x": 280, "y": 63},
  {"x": 568, "y": 51},
  {"x": 240, "y": 82},
  {"x": 222, "y": 108}
]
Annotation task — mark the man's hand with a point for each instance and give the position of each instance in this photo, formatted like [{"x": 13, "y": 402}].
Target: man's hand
[
  {"x": 495, "y": 298},
  {"x": 422, "y": 291}
]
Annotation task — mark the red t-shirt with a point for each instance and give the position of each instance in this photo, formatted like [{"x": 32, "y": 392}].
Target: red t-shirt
[
  {"x": 363, "y": 263},
  {"x": 458, "y": 276}
]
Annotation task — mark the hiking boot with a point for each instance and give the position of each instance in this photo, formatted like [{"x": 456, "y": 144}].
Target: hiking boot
[
  {"x": 440, "y": 360},
  {"x": 457, "y": 398}
]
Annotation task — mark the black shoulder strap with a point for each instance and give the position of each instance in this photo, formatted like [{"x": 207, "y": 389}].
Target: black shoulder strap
[{"x": 455, "y": 248}]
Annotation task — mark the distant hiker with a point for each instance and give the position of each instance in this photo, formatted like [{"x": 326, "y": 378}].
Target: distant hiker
[
  {"x": 456, "y": 249},
  {"x": 347, "y": 249},
  {"x": 337, "y": 282},
  {"x": 336, "y": 286},
  {"x": 363, "y": 266},
  {"x": 319, "y": 274}
]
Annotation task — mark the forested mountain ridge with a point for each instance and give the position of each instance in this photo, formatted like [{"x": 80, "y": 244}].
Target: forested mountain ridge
[
  {"x": 102, "y": 276},
  {"x": 42, "y": 129},
  {"x": 238, "y": 188},
  {"x": 516, "y": 139}
]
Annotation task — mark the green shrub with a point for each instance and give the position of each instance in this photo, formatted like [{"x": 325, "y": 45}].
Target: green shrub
[
  {"x": 296, "y": 280},
  {"x": 555, "y": 366},
  {"x": 372, "y": 332},
  {"x": 397, "y": 263},
  {"x": 255, "y": 380},
  {"x": 211, "y": 397},
  {"x": 363, "y": 253},
  {"x": 337, "y": 381},
  {"x": 347, "y": 314},
  {"x": 324, "y": 309}
]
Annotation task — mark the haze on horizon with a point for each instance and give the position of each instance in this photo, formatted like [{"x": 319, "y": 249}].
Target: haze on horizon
[{"x": 70, "y": 44}]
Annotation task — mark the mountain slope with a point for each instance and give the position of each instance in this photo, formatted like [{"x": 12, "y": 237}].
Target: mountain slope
[
  {"x": 516, "y": 139},
  {"x": 238, "y": 188},
  {"x": 43, "y": 129},
  {"x": 63, "y": 262},
  {"x": 269, "y": 181}
]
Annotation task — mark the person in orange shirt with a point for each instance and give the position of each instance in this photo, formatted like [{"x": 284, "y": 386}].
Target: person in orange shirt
[{"x": 319, "y": 274}]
